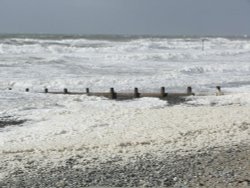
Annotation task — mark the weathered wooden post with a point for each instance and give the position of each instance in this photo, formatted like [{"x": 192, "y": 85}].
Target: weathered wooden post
[
  {"x": 27, "y": 89},
  {"x": 65, "y": 90},
  {"x": 136, "y": 93},
  {"x": 189, "y": 90},
  {"x": 218, "y": 91},
  {"x": 46, "y": 90},
  {"x": 87, "y": 91},
  {"x": 163, "y": 93},
  {"x": 203, "y": 44},
  {"x": 218, "y": 88},
  {"x": 112, "y": 93},
  {"x": 9, "y": 88}
]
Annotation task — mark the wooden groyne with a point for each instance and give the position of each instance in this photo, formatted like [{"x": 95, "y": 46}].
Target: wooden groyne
[{"x": 112, "y": 94}]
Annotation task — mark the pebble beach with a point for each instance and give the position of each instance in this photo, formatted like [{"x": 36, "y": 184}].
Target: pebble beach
[{"x": 173, "y": 147}]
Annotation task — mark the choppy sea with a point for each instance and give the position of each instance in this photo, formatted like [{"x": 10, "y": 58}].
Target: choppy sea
[
  {"x": 101, "y": 62},
  {"x": 124, "y": 62}
]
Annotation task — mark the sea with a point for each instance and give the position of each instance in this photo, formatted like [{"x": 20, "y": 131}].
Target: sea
[
  {"x": 38, "y": 121},
  {"x": 100, "y": 62}
]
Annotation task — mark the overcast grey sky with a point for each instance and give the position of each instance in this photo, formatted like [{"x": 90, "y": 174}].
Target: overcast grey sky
[{"x": 162, "y": 17}]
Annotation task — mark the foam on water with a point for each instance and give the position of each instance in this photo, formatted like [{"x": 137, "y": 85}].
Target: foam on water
[
  {"x": 101, "y": 63},
  {"x": 77, "y": 63},
  {"x": 124, "y": 63},
  {"x": 63, "y": 122}
]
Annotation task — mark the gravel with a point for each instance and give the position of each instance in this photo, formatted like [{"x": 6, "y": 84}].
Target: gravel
[{"x": 211, "y": 167}]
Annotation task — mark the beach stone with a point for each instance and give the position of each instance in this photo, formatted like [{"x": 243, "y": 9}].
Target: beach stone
[
  {"x": 60, "y": 184},
  {"x": 210, "y": 167}
]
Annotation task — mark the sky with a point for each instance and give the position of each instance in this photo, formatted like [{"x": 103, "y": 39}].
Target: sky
[{"x": 131, "y": 17}]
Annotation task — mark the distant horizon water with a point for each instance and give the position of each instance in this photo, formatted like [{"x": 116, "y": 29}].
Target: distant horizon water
[{"x": 113, "y": 36}]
